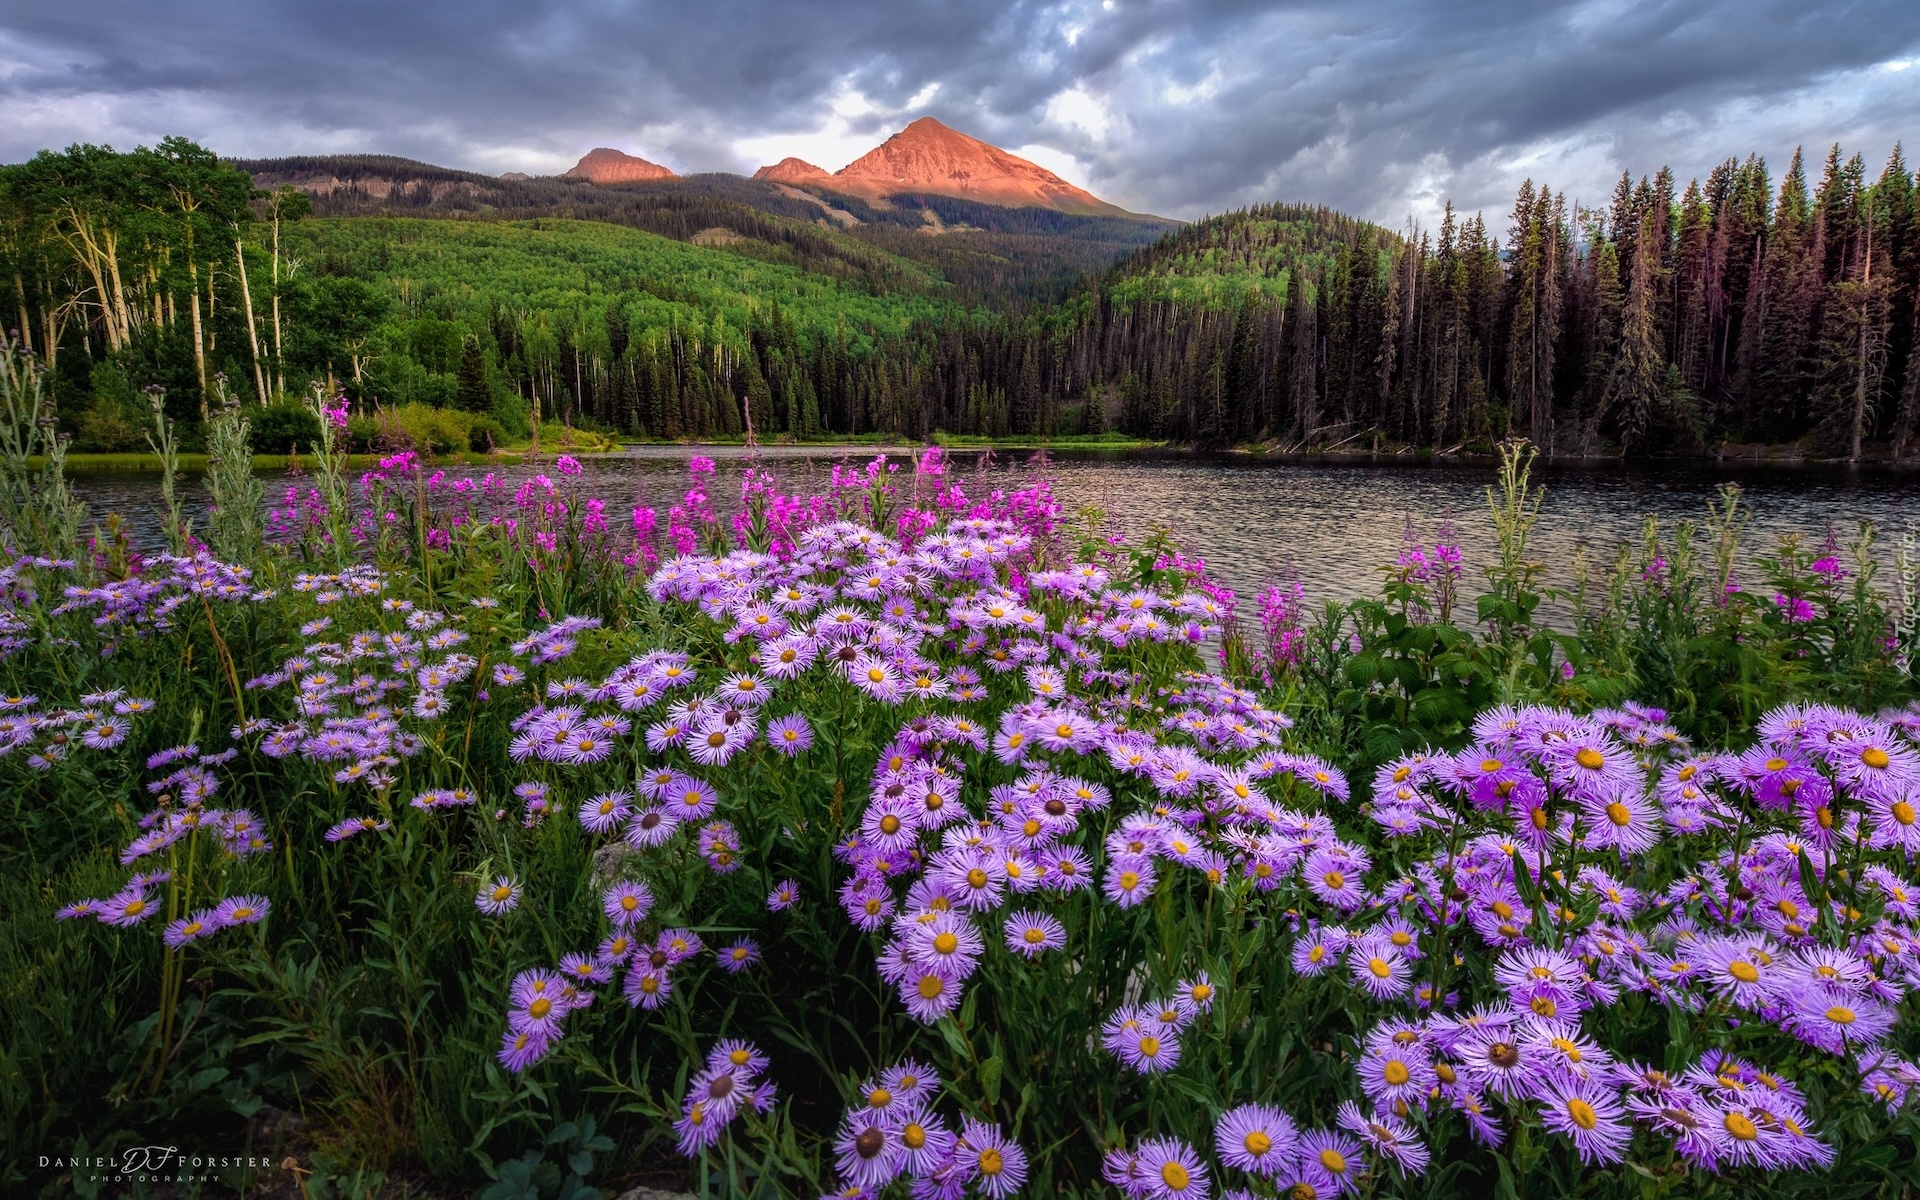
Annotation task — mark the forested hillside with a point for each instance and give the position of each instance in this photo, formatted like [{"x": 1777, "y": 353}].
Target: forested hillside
[
  {"x": 992, "y": 254},
  {"x": 625, "y": 329},
  {"x": 1664, "y": 322},
  {"x": 1674, "y": 320}
]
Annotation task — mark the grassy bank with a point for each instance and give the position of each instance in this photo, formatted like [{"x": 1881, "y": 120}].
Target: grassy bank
[{"x": 949, "y": 441}]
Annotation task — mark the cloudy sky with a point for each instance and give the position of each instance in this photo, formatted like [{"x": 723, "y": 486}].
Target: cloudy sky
[{"x": 1181, "y": 107}]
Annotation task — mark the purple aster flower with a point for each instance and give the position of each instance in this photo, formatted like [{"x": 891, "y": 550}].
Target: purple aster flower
[
  {"x": 353, "y": 826},
  {"x": 692, "y": 799},
  {"x": 1329, "y": 1164},
  {"x": 868, "y": 1152},
  {"x": 191, "y": 928},
  {"x": 616, "y": 949},
  {"x": 648, "y": 987},
  {"x": 1031, "y": 933},
  {"x": 127, "y": 908},
  {"x": 911, "y": 1082},
  {"x": 1171, "y": 1170},
  {"x": 605, "y": 812},
  {"x": 925, "y": 1141},
  {"x": 1591, "y": 1114},
  {"x": 500, "y": 898},
  {"x": 521, "y": 1048},
  {"x": 1256, "y": 1138},
  {"x": 1696, "y": 1128},
  {"x": 584, "y": 969},
  {"x": 1387, "y": 1136},
  {"x": 929, "y": 995},
  {"x": 106, "y": 734},
  {"x": 738, "y": 956},
  {"x": 784, "y": 896},
  {"x": 1134, "y": 1037},
  {"x": 720, "y": 843},
  {"x": 1129, "y": 883},
  {"x": 1320, "y": 950},
  {"x": 1377, "y": 965},
  {"x": 627, "y": 903},
  {"x": 790, "y": 735},
  {"x": 698, "y": 1129},
  {"x": 539, "y": 1000},
  {"x": 650, "y": 826},
  {"x": 1395, "y": 1073},
  {"x": 994, "y": 1163},
  {"x": 1836, "y": 1021},
  {"x": 241, "y": 910}
]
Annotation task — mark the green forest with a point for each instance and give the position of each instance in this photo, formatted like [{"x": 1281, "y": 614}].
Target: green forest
[{"x": 1740, "y": 309}]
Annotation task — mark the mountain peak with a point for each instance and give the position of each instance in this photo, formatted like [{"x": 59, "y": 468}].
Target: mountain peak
[
  {"x": 603, "y": 165},
  {"x": 928, "y": 156},
  {"x": 792, "y": 170}
]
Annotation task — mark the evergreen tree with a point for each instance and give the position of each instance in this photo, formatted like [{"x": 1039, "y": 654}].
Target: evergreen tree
[{"x": 472, "y": 392}]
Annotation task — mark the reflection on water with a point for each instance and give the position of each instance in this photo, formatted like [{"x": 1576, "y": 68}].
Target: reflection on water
[{"x": 1335, "y": 523}]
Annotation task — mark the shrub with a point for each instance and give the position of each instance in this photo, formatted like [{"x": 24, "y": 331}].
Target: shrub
[{"x": 283, "y": 427}]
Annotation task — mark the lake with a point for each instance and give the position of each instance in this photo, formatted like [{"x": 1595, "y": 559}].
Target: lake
[{"x": 1335, "y": 523}]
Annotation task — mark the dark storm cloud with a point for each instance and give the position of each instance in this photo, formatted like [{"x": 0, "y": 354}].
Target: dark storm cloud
[{"x": 1178, "y": 106}]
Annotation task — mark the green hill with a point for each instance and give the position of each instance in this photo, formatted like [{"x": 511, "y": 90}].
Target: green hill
[
  {"x": 593, "y": 320},
  {"x": 995, "y": 255}
]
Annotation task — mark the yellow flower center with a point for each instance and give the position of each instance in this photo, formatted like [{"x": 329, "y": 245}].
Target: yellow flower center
[
  {"x": 1590, "y": 758},
  {"x": 1739, "y": 1126},
  {"x": 1395, "y": 1073},
  {"x": 1334, "y": 1161},
  {"x": 540, "y": 1008},
  {"x": 1582, "y": 1113},
  {"x": 1840, "y": 1014},
  {"x": 1380, "y": 967},
  {"x": 1745, "y": 972},
  {"x": 1875, "y": 757},
  {"x": 1175, "y": 1176},
  {"x": 1619, "y": 814}
]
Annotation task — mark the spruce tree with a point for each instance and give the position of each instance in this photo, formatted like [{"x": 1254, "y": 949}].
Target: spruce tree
[{"x": 472, "y": 392}]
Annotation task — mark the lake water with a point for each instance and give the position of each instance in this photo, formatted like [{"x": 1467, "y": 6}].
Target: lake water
[{"x": 1335, "y": 523}]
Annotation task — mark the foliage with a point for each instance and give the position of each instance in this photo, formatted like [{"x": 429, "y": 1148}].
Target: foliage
[
  {"x": 38, "y": 511},
  {"x": 339, "y": 730}
]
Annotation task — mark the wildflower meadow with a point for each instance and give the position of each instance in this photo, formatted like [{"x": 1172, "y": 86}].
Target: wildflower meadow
[{"x": 430, "y": 833}]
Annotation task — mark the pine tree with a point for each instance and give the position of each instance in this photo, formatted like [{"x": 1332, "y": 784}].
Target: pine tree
[
  {"x": 1634, "y": 386},
  {"x": 472, "y": 392}
]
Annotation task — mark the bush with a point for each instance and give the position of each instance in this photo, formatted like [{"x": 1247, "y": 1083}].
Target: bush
[
  {"x": 424, "y": 429},
  {"x": 283, "y": 427},
  {"x": 115, "y": 419},
  {"x": 108, "y": 425}
]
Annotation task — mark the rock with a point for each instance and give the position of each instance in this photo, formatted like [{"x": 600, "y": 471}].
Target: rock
[
  {"x": 792, "y": 170},
  {"x": 608, "y": 860},
  {"x": 602, "y": 165},
  {"x": 927, "y": 156},
  {"x": 646, "y": 1193}
]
